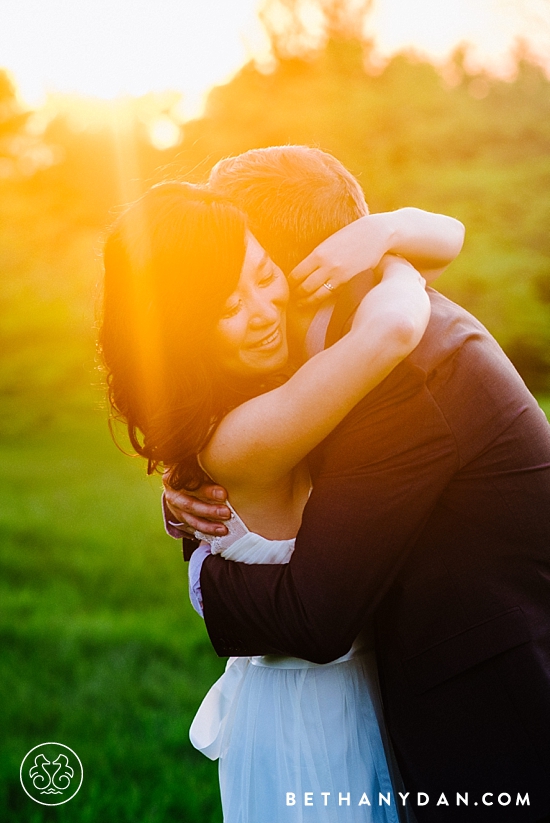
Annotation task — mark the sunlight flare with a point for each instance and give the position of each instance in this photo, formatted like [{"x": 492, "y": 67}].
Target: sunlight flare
[{"x": 97, "y": 48}]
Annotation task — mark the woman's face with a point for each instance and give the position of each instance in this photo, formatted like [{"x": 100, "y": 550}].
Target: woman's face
[{"x": 251, "y": 334}]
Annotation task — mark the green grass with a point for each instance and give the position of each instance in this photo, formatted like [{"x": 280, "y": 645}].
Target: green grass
[
  {"x": 544, "y": 402},
  {"x": 100, "y": 648}
]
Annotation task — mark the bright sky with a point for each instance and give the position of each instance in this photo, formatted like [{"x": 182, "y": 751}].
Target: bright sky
[
  {"x": 107, "y": 48},
  {"x": 435, "y": 27}
]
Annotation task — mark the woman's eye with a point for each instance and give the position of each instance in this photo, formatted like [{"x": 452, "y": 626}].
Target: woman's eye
[
  {"x": 230, "y": 311},
  {"x": 268, "y": 278}
]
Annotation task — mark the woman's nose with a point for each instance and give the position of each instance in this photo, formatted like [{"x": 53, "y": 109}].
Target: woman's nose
[{"x": 264, "y": 313}]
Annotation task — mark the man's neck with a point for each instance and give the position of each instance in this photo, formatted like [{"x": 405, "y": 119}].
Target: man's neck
[{"x": 299, "y": 322}]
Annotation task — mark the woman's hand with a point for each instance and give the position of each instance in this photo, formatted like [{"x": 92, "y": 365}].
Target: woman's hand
[
  {"x": 356, "y": 247},
  {"x": 398, "y": 306},
  {"x": 429, "y": 241}
]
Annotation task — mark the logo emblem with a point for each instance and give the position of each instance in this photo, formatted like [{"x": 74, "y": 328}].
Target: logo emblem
[{"x": 51, "y": 774}]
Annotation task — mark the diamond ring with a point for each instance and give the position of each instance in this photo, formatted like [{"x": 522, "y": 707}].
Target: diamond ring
[{"x": 328, "y": 286}]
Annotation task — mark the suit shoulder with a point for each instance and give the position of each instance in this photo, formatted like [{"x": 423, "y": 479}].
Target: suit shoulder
[{"x": 450, "y": 327}]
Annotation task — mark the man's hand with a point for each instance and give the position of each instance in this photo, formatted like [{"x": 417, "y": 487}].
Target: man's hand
[{"x": 198, "y": 510}]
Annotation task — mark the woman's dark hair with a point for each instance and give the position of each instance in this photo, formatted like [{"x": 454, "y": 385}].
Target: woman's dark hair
[{"x": 171, "y": 261}]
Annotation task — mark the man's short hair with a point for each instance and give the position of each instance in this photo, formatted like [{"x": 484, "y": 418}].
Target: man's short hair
[{"x": 294, "y": 196}]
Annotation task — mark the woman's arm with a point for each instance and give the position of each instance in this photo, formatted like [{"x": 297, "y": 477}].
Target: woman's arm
[
  {"x": 429, "y": 241},
  {"x": 258, "y": 443}
]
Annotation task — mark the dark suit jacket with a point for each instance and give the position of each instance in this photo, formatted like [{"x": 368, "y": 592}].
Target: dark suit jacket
[{"x": 431, "y": 512}]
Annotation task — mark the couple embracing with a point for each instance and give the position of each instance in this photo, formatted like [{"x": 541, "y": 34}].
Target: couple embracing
[{"x": 380, "y": 575}]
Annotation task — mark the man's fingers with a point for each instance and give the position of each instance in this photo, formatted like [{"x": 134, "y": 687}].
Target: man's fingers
[
  {"x": 211, "y": 491},
  {"x": 181, "y": 505},
  {"x": 182, "y": 527},
  {"x": 196, "y": 523}
]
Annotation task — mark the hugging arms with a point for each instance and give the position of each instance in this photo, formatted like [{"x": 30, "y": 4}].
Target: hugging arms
[
  {"x": 429, "y": 240},
  {"x": 430, "y": 500}
]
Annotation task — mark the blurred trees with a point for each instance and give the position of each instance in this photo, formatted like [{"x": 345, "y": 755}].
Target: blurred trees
[
  {"x": 61, "y": 182},
  {"x": 448, "y": 140},
  {"x": 299, "y": 28},
  {"x": 467, "y": 144},
  {"x": 11, "y": 121}
]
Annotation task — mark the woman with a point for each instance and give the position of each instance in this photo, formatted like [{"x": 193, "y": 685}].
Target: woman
[{"x": 194, "y": 341}]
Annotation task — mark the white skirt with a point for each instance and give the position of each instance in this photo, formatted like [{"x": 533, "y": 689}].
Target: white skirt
[{"x": 299, "y": 742}]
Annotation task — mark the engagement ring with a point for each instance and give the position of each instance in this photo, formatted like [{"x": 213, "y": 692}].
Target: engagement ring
[{"x": 328, "y": 286}]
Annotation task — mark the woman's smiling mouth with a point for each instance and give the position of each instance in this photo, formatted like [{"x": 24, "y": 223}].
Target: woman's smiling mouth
[{"x": 272, "y": 341}]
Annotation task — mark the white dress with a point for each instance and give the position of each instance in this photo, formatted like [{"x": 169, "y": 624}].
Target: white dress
[{"x": 283, "y": 727}]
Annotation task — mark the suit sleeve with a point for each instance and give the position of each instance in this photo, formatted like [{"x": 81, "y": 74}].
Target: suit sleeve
[{"x": 380, "y": 475}]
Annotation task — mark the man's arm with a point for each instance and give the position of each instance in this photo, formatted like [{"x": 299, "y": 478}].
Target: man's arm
[{"x": 382, "y": 472}]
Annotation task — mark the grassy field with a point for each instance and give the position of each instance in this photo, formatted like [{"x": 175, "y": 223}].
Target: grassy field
[
  {"x": 101, "y": 650},
  {"x": 100, "y": 647}
]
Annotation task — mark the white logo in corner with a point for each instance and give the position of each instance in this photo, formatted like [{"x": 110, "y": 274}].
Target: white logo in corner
[{"x": 51, "y": 774}]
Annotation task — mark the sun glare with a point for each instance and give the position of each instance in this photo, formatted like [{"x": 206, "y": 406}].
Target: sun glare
[
  {"x": 108, "y": 50},
  {"x": 164, "y": 133}
]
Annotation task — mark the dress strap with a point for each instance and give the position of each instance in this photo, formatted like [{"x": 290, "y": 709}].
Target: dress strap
[{"x": 236, "y": 529}]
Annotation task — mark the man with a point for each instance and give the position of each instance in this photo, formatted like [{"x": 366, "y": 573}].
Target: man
[{"x": 430, "y": 512}]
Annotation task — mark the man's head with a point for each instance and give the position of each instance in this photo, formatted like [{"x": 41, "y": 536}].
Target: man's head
[{"x": 294, "y": 196}]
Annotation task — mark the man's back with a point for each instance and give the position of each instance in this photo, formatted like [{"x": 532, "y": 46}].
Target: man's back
[
  {"x": 431, "y": 511},
  {"x": 490, "y": 526},
  {"x": 463, "y": 636}
]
